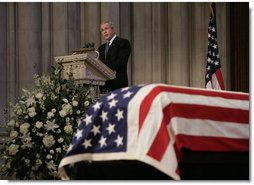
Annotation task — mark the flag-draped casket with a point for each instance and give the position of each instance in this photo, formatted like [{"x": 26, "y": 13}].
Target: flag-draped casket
[{"x": 153, "y": 123}]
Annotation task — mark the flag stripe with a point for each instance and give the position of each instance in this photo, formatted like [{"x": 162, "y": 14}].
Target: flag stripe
[
  {"x": 191, "y": 111},
  {"x": 147, "y": 102},
  {"x": 216, "y": 80},
  {"x": 206, "y": 112},
  {"x": 206, "y": 143},
  {"x": 200, "y": 127},
  {"x": 162, "y": 139},
  {"x": 219, "y": 78}
]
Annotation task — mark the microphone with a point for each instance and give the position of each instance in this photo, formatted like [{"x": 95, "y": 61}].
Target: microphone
[{"x": 87, "y": 45}]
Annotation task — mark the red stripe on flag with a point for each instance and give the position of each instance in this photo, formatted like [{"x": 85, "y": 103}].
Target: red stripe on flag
[
  {"x": 162, "y": 138},
  {"x": 190, "y": 111},
  {"x": 147, "y": 102},
  {"x": 205, "y": 143},
  {"x": 220, "y": 78},
  {"x": 211, "y": 113}
]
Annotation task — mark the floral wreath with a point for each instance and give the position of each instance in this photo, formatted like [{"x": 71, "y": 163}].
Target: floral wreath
[{"x": 41, "y": 126}]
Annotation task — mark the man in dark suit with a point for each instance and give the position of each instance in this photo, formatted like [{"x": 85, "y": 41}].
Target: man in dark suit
[{"x": 115, "y": 54}]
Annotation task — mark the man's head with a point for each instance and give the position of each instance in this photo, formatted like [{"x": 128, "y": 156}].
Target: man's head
[{"x": 107, "y": 30}]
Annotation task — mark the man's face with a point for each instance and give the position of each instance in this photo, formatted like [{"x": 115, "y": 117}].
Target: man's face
[{"x": 106, "y": 31}]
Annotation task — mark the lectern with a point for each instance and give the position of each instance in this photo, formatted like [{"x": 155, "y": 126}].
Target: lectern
[{"x": 86, "y": 67}]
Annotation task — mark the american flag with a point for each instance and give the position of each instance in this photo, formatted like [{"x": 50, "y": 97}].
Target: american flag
[
  {"x": 152, "y": 123},
  {"x": 214, "y": 79}
]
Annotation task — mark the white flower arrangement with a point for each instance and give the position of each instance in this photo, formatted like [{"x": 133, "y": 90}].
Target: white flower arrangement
[{"x": 42, "y": 124}]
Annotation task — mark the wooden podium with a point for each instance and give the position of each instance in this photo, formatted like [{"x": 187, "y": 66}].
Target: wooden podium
[{"x": 86, "y": 67}]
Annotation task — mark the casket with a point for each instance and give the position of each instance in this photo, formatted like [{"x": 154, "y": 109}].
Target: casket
[{"x": 158, "y": 131}]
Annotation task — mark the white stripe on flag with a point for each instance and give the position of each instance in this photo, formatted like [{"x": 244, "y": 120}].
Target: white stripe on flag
[{"x": 198, "y": 127}]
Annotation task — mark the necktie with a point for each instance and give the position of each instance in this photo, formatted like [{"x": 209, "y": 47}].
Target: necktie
[{"x": 106, "y": 49}]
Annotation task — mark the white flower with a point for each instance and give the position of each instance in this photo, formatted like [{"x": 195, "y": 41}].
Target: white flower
[
  {"x": 22, "y": 102},
  {"x": 13, "y": 134},
  {"x": 53, "y": 97},
  {"x": 50, "y": 115},
  {"x": 74, "y": 103},
  {"x": 60, "y": 140},
  {"x": 65, "y": 100},
  {"x": 67, "y": 108},
  {"x": 86, "y": 103},
  {"x": 56, "y": 71},
  {"x": 31, "y": 112},
  {"x": 23, "y": 129},
  {"x": 49, "y": 156},
  {"x": 62, "y": 113},
  {"x": 30, "y": 101},
  {"x": 51, "y": 165},
  {"x": 53, "y": 111},
  {"x": 51, "y": 125},
  {"x": 38, "y": 96},
  {"x": 19, "y": 111},
  {"x": 51, "y": 151},
  {"x": 36, "y": 76},
  {"x": 26, "y": 140},
  {"x": 13, "y": 149},
  {"x": 17, "y": 124},
  {"x": 39, "y": 134},
  {"x": 38, "y": 124},
  {"x": 58, "y": 150},
  {"x": 46, "y": 79},
  {"x": 78, "y": 112},
  {"x": 68, "y": 129},
  {"x": 11, "y": 123},
  {"x": 48, "y": 141}
]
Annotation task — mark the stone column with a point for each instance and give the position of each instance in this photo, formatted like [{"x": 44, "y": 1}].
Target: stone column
[
  {"x": 29, "y": 42},
  {"x": 12, "y": 56},
  {"x": 150, "y": 35},
  {"x": 90, "y": 23},
  {"x": 74, "y": 26},
  {"x": 199, "y": 19},
  {"x": 3, "y": 64},
  {"x": 60, "y": 29},
  {"x": 47, "y": 57},
  {"x": 141, "y": 60},
  {"x": 125, "y": 31},
  {"x": 178, "y": 61},
  {"x": 159, "y": 31}
]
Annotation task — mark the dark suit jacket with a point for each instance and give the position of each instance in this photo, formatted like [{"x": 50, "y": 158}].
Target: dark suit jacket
[{"x": 117, "y": 59}]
